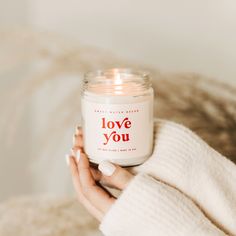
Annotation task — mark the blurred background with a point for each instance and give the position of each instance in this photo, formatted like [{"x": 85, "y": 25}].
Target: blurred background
[
  {"x": 195, "y": 36},
  {"x": 47, "y": 45}
]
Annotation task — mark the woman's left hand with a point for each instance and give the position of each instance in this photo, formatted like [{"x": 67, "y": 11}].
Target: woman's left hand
[{"x": 87, "y": 180}]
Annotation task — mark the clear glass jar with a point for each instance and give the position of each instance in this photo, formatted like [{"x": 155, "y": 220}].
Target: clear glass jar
[{"x": 117, "y": 116}]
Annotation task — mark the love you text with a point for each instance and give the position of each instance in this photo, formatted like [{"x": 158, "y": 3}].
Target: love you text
[{"x": 116, "y": 137}]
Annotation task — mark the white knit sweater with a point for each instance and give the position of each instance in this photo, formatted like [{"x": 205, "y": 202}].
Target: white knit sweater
[{"x": 184, "y": 188}]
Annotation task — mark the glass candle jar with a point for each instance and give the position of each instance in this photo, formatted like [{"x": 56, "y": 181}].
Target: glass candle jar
[{"x": 117, "y": 116}]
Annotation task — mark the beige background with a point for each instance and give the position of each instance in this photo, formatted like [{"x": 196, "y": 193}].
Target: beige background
[{"x": 185, "y": 35}]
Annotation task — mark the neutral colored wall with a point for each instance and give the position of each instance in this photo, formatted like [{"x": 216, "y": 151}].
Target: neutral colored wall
[
  {"x": 14, "y": 172},
  {"x": 184, "y": 35},
  {"x": 13, "y": 12}
]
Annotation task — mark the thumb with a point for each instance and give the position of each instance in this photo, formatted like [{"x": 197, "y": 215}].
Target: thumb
[{"x": 115, "y": 175}]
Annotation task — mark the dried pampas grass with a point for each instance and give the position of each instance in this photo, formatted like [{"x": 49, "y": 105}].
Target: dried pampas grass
[{"x": 206, "y": 106}]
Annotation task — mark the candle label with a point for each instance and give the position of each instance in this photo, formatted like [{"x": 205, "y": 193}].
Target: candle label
[{"x": 117, "y": 131}]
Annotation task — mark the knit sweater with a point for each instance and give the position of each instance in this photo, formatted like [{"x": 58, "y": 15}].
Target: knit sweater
[{"x": 184, "y": 188}]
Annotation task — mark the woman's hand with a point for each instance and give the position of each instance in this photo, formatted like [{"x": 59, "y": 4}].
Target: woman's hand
[{"x": 87, "y": 180}]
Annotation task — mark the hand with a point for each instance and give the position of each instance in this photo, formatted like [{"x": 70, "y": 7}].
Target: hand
[{"x": 87, "y": 180}]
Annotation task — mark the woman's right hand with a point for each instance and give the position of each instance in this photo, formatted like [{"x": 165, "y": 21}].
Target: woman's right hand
[{"x": 86, "y": 179}]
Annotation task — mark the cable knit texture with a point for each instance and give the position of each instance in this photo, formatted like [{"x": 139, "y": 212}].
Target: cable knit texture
[{"x": 184, "y": 188}]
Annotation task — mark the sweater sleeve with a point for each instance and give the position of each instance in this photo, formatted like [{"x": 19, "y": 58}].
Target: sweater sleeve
[
  {"x": 183, "y": 160},
  {"x": 149, "y": 207}
]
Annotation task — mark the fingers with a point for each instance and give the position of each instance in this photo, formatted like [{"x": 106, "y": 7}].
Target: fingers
[
  {"x": 78, "y": 130},
  {"x": 115, "y": 175},
  {"x": 120, "y": 178},
  {"x": 85, "y": 178},
  {"x": 78, "y": 137},
  {"x": 78, "y": 141},
  {"x": 76, "y": 182},
  {"x": 93, "y": 197},
  {"x": 95, "y": 194},
  {"x": 97, "y": 175}
]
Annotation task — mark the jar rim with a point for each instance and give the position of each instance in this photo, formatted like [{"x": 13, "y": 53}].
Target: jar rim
[
  {"x": 91, "y": 75},
  {"x": 118, "y": 81}
]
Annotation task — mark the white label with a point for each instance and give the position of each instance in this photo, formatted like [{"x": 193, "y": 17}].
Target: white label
[{"x": 117, "y": 131}]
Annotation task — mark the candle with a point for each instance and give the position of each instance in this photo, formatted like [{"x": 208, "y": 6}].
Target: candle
[{"x": 117, "y": 116}]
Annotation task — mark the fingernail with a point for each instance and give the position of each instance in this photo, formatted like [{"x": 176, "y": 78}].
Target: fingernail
[
  {"x": 68, "y": 159},
  {"x": 107, "y": 168},
  {"x": 78, "y": 130},
  {"x": 73, "y": 152},
  {"x": 78, "y": 155}
]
